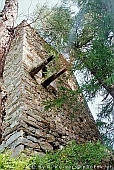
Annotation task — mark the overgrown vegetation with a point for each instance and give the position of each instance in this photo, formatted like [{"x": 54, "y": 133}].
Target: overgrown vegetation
[
  {"x": 7, "y": 162},
  {"x": 73, "y": 156}
]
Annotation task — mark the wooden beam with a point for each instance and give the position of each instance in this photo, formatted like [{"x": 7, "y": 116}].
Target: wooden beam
[
  {"x": 53, "y": 77},
  {"x": 36, "y": 69}
]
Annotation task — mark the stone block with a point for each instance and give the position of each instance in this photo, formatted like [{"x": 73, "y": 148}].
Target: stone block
[
  {"x": 32, "y": 139},
  {"x": 40, "y": 133},
  {"x": 2, "y": 147},
  {"x": 50, "y": 138},
  {"x": 31, "y": 119},
  {"x": 45, "y": 146},
  {"x": 14, "y": 137},
  {"x": 30, "y": 144},
  {"x": 16, "y": 151}
]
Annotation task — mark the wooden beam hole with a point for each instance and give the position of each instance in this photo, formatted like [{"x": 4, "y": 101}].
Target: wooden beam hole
[{"x": 36, "y": 69}]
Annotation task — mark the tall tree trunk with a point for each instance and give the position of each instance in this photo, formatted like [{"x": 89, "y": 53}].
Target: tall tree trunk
[{"x": 7, "y": 20}]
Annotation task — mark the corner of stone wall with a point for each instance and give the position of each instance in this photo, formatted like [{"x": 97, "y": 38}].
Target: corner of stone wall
[{"x": 27, "y": 125}]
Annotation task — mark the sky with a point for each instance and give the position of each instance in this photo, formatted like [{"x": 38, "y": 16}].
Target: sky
[{"x": 26, "y": 7}]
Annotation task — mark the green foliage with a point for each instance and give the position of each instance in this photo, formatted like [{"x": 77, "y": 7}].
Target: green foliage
[
  {"x": 51, "y": 50},
  {"x": 55, "y": 26},
  {"x": 94, "y": 51},
  {"x": 74, "y": 156},
  {"x": 105, "y": 122},
  {"x": 7, "y": 162}
]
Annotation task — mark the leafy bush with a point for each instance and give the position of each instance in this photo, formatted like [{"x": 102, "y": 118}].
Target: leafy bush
[
  {"x": 7, "y": 162},
  {"x": 74, "y": 156}
]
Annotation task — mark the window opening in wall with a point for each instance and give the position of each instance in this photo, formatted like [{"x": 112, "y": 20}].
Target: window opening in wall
[
  {"x": 49, "y": 79},
  {"x": 44, "y": 72}
]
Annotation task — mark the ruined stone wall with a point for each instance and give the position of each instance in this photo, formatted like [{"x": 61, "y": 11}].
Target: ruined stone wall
[{"x": 27, "y": 125}]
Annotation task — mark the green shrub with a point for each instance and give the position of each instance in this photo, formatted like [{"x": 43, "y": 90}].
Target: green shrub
[
  {"x": 7, "y": 162},
  {"x": 74, "y": 156}
]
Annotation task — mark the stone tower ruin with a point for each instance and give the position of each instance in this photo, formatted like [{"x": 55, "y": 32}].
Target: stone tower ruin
[{"x": 27, "y": 125}]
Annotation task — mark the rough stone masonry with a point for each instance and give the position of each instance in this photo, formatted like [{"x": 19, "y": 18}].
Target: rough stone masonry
[{"x": 27, "y": 126}]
